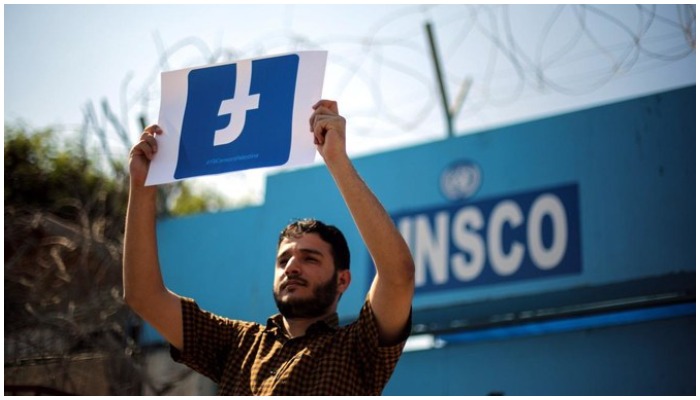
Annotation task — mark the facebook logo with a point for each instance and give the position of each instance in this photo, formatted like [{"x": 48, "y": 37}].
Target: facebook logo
[{"x": 238, "y": 116}]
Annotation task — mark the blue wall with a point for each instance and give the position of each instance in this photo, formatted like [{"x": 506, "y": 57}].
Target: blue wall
[
  {"x": 650, "y": 359},
  {"x": 633, "y": 166}
]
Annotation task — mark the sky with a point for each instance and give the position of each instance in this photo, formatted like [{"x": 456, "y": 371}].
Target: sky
[{"x": 501, "y": 64}]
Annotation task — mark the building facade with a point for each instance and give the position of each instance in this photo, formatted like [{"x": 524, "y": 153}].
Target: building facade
[{"x": 553, "y": 257}]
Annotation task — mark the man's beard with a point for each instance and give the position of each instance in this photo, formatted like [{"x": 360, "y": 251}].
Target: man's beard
[{"x": 312, "y": 307}]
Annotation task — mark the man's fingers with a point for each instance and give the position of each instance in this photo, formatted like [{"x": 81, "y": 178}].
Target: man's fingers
[
  {"x": 148, "y": 141},
  {"x": 143, "y": 148},
  {"x": 322, "y": 107},
  {"x": 153, "y": 129},
  {"x": 319, "y": 134},
  {"x": 148, "y": 144},
  {"x": 316, "y": 115},
  {"x": 329, "y": 104},
  {"x": 321, "y": 115},
  {"x": 324, "y": 119}
]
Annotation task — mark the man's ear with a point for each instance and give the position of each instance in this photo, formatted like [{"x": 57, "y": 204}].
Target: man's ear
[{"x": 344, "y": 279}]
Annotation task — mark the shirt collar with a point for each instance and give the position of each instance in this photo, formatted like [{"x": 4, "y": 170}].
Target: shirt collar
[{"x": 331, "y": 322}]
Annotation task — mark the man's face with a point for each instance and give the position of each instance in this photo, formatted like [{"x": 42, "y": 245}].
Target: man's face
[{"x": 306, "y": 282}]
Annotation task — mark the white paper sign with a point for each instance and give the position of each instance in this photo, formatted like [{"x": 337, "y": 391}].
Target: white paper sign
[{"x": 234, "y": 116}]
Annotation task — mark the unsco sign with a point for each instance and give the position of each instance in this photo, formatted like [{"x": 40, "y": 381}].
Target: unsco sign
[{"x": 523, "y": 236}]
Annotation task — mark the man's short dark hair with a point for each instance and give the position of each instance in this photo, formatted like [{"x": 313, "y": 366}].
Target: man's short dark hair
[{"x": 329, "y": 233}]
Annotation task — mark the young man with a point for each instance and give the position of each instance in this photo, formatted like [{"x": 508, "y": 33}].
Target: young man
[{"x": 302, "y": 350}]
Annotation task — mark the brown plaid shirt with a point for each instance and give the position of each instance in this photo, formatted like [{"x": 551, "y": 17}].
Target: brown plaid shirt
[{"x": 246, "y": 358}]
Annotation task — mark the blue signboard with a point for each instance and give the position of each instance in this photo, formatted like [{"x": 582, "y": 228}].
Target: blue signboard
[
  {"x": 526, "y": 235},
  {"x": 226, "y": 104}
]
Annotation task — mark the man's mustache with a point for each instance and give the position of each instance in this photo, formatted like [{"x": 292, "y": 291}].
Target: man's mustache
[{"x": 298, "y": 281}]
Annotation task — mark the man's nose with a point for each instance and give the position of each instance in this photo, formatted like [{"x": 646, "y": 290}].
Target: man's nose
[{"x": 292, "y": 267}]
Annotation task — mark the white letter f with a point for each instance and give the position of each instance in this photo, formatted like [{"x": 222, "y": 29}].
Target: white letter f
[{"x": 237, "y": 107}]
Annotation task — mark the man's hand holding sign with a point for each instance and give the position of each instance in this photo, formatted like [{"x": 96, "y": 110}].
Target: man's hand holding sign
[
  {"x": 312, "y": 267},
  {"x": 236, "y": 116}
]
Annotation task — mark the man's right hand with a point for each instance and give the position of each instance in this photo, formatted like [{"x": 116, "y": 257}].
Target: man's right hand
[
  {"x": 141, "y": 155},
  {"x": 144, "y": 290}
]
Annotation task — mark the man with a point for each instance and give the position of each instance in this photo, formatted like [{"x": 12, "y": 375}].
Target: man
[{"x": 301, "y": 351}]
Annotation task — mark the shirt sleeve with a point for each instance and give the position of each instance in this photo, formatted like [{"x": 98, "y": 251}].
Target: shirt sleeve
[
  {"x": 381, "y": 359},
  {"x": 208, "y": 339}
]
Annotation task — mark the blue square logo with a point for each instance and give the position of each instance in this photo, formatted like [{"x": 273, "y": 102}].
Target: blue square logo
[{"x": 238, "y": 116}]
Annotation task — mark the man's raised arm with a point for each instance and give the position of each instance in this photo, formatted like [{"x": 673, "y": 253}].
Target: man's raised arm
[
  {"x": 144, "y": 290},
  {"x": 392, "y": 289}
]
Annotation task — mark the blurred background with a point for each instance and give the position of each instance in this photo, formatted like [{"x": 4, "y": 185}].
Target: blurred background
[
  {"x": 81, "y": 81},
  {"x": 92, "y": 72}
]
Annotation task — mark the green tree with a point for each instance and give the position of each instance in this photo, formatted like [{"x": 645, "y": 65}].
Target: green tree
[
  {"x": 66, "y": 325},
  {"x": 64, "y": 315}
]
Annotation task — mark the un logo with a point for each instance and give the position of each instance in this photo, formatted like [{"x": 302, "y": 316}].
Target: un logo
[
  {"x": 460, "y": 180},
  {"x": 238, "y": 116}
]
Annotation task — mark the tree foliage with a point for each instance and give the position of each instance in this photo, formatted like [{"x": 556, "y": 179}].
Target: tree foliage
[
  {"x": 40, "y": 175},
  {"x": 64, "y": 226},
  {"x": 64, "y": 220}
]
